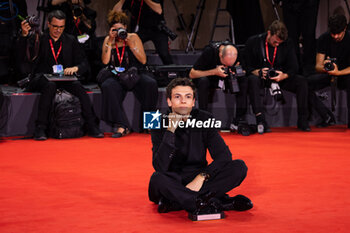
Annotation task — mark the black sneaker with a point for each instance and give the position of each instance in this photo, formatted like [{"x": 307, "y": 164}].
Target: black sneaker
[
  {"x": 165, "y": 206},
  {"x": 238, "y": 203},
  {"x": 263, "y": 127},
  {"x": 39, "y": 133},
  {"x": 95, "y": 132}
]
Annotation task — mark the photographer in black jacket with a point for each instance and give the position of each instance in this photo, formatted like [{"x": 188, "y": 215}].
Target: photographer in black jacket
[
  {"x": 332, "y": 64},
  {"x": 147, "y": 20},
  {"x": 58, "y": 50},
  {"x": 271, "y": 57},
  {"x": 212, "y": 69}
]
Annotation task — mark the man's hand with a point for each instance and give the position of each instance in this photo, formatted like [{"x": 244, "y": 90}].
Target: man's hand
[
  {"x": 279, "y": 77},
  {"x": 334, "y": 72},
  {"x": 219, "y": 71},
  {"x": 197, "y": 183},
  {"x": 71, "y": 70},
  {"x": 174, "y": 120},
  {"x": 25, "y": 28},
  {"x": 264, "y": 72}
]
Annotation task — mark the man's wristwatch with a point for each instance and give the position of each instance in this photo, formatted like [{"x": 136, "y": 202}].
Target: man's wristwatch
[{"x": 205, "y": 176}]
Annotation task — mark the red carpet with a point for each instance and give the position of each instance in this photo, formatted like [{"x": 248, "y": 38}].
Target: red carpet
[{"x": 299, "y": 182}]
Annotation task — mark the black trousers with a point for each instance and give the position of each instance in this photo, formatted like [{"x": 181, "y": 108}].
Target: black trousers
[
  {"x": 172, "y": 185},
  {"x": 296, "y": 84},
  {"x": 207, "y": 85},
  {"x": 48, "y": 91},
  {"x": 113, "y": 94},
  {"x": 160, "y": 41},
  {"x": 302, "y": 21},
  {"x": 320, "y": 81}
]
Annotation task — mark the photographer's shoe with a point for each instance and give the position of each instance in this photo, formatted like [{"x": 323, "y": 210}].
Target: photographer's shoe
[
  {"x": 263, "y": 127},
  {"x": 95, "y": 132},
  {"x": 39, "y": 133},
  {"x": 327, "y": 122},
  {"x": 238, "y": 203},
  {"x": 304, "y": 126},
  {"x": 165, "y": 206}
]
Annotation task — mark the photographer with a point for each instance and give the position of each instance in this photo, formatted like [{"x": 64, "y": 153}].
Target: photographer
[
  {"x": 124, "y": 54},
  {"x": 333, "y": 63},
  {"x": 9, "y": 26},
  {"x": 213, "y": 69},
  {"x": 147, "y": 20},
  {"x": 58, "y": 51},
  {"x": 81, "y": 23},
  {"x": 271, "y": 57}
]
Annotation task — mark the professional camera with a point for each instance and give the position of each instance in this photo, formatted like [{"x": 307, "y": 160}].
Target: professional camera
[
  {"x": 77, "y": 10},
  {"x": 231, "y": 83},
  {"x": 121, "y": 33},
  {"x": 329, "y": 66},
  {"x": 275, "y": 89},
  {"x": 239, "y": 71},
  {"x": 163, "y": 28},
  {"x": 271, "y": 73},
  {"x": 33, "y": 21}
]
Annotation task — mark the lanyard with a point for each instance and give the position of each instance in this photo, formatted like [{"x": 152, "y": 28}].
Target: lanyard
[
  {"x": 53, "y": 51},
  {"x": 138, "y": 18},
  {"x": 76, "y": 22},
  {"x": 268, "y": 57},
  {"x": 120, "y": 58}
]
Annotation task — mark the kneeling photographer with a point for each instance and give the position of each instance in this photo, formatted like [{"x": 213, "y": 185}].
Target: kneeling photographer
[
  {"x": 270, "y": 59},
  {"x": 218, "y": 66},
  {"x": 124, "y": 56}
]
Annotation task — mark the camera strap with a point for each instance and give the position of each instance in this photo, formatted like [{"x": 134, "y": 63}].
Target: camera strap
[
  {"x": 32, "y": 57},
  {"x": 139, "y": 16}
]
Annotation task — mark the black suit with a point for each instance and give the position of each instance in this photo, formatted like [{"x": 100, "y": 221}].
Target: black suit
[{"x": 177, "y": 164}]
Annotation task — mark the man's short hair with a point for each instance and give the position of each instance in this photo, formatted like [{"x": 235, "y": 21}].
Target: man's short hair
[
  {"x": 180, "y": 82},
  {"x": 279, "y": 28},
  {"x": 337, "y": 23},
  {"x": 58, "y": 14}
]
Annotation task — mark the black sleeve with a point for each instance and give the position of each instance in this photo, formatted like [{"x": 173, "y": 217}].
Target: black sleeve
[
  {"x": 206, "y": 61},
  {"x": 79, "y": 58},
  {"x": 251, "y": 56},
  {"x": 322, "y": 44},
  {"x": 163, "y": 149},
  {"x": 291, "y": 66},
  {"x": 219, "y": 152}
]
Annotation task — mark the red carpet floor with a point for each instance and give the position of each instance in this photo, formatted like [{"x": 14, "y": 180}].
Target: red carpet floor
[{"x": 299, "y": 182}]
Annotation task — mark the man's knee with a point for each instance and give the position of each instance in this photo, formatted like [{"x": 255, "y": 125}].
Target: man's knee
[{"x": 239, "y": 169}]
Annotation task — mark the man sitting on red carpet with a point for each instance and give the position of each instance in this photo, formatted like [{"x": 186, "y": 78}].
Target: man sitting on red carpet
[{"x": 182, "y": 178}]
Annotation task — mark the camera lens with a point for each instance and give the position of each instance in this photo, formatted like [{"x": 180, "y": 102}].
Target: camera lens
[{"x": 329, "y": 66}]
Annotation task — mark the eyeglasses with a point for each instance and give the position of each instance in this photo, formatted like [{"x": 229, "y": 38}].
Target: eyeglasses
[{"x": 57, "y": 27}]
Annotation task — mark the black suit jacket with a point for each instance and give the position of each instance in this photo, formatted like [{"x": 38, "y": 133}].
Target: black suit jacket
[{"x": 200, "y": 140}]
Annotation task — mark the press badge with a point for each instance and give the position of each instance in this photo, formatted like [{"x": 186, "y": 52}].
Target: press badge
[
  {"x": 83, "y": 38},
  {"x": 119, "y": 69},
  {"x": 57, "y": 69}
]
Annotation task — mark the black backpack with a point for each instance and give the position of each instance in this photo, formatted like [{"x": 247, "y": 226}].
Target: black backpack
[{"x": 66, "y": 119}]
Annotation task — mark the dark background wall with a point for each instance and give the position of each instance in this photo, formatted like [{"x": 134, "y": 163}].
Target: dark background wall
[{"x": 188, "y": 9}]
